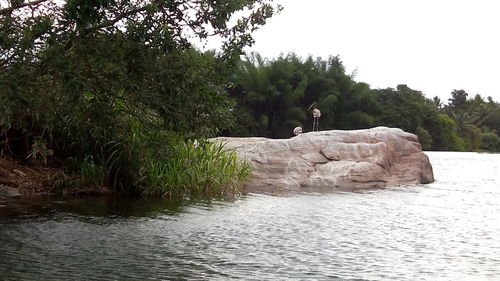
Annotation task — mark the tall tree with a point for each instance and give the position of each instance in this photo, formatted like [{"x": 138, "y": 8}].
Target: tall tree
[
  {"x": 99, "y": 60},
  {"x": 86, "y": 77}
]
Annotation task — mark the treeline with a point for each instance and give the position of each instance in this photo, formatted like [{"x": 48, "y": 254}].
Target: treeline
[{"x": 273, "y": 97}]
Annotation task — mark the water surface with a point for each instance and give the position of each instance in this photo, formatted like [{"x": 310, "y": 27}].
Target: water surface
[{"x": 447, "y": 230}]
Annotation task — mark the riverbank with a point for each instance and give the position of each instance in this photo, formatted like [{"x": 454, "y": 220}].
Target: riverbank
[
  {"x": 25, "y": 178},
  {"x": 22, "y": 178}
]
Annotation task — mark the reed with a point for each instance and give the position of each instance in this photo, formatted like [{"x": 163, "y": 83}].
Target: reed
[{"x": 194, "y": 169}]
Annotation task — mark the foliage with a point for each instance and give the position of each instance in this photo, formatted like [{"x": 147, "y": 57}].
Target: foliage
[
  {"x": 403, "y": 108},
  {"x": 445, "y": 136},
  {"x": 490, "y": 141},
  {"x": 424, "y": 137},
  {"x": 273, "y": 96},
  {"x": 92, "y": 173},
  {"x": 92, "y": 81},
  {"x": 473, "y": 117},
  {"x": 194, "y": 169}
]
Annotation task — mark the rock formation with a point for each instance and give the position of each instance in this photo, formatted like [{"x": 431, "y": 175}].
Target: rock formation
[{"x": 335, "y": 160}]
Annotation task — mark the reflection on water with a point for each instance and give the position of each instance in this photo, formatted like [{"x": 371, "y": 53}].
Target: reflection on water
[
  {"x": 48, "y": 206},
  {"x": 448, "y": 230}
]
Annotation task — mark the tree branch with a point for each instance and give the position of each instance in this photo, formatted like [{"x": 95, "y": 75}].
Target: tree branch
[
  {"x": 4, "y": 63},
  {"x": 115, "y": 20},
  {"x": 27, "y": 4}
]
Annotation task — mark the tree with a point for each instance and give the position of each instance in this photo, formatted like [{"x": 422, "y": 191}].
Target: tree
[
  {"x": 424, "y": 137},
  {"x": 437, "y": 102},
  {"x": 273, "y": 96},
  {"x": 404, "y": 108},
  {"x": 133, "y": 57},
  {"x": 490, "y": 141},
  {"x": 458, "y": 99},
  {"x": 444, "y": 134},
  {"x": 85, "y": 76},
  {"x": 473, "y": 117}
]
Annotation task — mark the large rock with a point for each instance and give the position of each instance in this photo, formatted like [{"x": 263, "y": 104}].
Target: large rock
[{"x": 345, "y": 160}]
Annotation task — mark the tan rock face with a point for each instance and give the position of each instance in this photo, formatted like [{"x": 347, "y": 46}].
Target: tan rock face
[{"x": 345, "y": 160}]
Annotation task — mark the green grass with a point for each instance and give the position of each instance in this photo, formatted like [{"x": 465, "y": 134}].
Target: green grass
[
  {"x": 92, "y": 174},
  {"x": 90, "y": 177},
  {"x": 193, "y": 169}
]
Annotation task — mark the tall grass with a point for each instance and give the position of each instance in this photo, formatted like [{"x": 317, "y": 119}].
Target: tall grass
[
  {"x": 93, "y": 174},
  {"x": 90, "y": 177},
  {"x": 193, "y": 169}
]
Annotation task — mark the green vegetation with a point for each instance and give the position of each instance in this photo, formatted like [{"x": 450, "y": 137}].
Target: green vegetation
[
  {"x": 115, "y": 90},
  {"x": 194, "y": 169},
  {"x": 273, "y": 96}
]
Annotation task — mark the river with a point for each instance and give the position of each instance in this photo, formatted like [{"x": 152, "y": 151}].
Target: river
[{"x": 447, "y": 230}]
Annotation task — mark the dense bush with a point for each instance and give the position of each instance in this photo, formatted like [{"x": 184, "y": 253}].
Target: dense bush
[{"x": 94, "y": 83}]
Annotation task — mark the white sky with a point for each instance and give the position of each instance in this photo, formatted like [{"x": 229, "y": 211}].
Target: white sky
[{"x": 433, "y": 46}]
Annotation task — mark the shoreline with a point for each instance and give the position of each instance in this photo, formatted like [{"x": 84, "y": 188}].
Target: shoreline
[{"x": 19, "y": 179}]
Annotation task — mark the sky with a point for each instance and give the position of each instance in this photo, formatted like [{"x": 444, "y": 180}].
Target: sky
[{"x": 434, "y": 46}]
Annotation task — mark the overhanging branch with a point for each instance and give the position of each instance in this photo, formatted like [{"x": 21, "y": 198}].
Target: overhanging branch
[
  {"x": 22, "y": 5},
  {"x": 116, "y": 19}
]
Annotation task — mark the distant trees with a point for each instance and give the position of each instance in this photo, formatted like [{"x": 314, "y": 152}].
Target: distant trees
[
  {"x": 273, "y": 95},
  {"x": 476, "y": 120},
  {"x": 403, "y": 108}
]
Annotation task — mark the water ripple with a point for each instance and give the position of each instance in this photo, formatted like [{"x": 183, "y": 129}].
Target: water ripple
[{"x": 447, "y": 230}]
